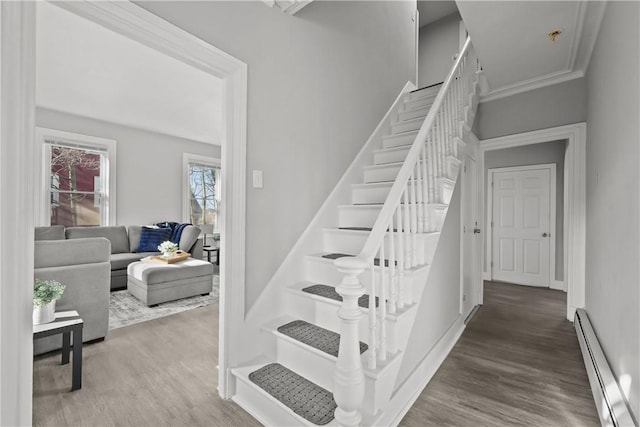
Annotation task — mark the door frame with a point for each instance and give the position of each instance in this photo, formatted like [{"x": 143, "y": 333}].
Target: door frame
[
  {"x": 17, "y": 205},
  {"x": 574, "y": 199},
  {"x": 552, "y": 214}
]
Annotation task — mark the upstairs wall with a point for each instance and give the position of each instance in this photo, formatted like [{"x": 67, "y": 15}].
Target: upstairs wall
[
  {"x": 439, "y": 42},
  {"x": 319, "y": 82},
  {"x": 613, "y": 205}
]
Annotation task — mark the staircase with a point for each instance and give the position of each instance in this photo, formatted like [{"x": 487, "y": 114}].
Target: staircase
[{"x": 332, "y": 352}]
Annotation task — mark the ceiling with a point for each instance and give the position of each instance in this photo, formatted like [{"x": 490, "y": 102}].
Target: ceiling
[
  {"x": 511, "y": 40},
  {"x": 87, "y": 70},
  {"x": 431, "y": 11}
]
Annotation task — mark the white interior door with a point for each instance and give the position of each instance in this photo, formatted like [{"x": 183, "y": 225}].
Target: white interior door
[
  {"x": 521, "y": 226},
  {"x": 470, "y": 240}
]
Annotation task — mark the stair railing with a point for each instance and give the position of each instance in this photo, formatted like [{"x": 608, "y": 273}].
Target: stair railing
[{"x": 391, "y": 249}]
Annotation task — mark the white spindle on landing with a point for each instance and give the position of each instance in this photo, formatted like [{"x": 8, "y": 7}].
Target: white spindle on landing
[{"x": 410, "y": 205}]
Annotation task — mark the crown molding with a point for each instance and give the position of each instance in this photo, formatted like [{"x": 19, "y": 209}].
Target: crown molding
[
  {"x": 588, "y": 19},
  {"x": 290, "y": 7}
]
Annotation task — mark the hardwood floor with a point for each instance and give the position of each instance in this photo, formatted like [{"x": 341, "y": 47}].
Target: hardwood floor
[
  {"x": 517, "y": 363},
  {"x": 149, "y": 374}
]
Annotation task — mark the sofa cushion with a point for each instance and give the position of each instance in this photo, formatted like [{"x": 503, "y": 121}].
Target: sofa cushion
[
  {"x": 117, "y": 236},
  {"x": 54, "y": 232},
  {"x": 121, "y": 261},
  {"x": 189, "y": 236},
  {"x": 134, "y": 237},
  {"x": 151, "y": 237}
]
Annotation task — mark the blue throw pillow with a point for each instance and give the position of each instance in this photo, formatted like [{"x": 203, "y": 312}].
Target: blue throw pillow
[{"x": 150, "y": 238}]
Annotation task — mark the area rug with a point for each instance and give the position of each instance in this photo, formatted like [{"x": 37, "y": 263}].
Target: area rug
[{"x": 125, "y": 309}]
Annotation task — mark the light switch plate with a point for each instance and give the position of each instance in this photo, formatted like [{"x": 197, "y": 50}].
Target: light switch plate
[{"x": 257, "y": 179}]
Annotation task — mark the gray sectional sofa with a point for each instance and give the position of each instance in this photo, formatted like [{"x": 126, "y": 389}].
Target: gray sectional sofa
[
  {"x": 124, "y": 245},
  {"x": 83, "y": 267},
  {"x": 91, "y": 261}
]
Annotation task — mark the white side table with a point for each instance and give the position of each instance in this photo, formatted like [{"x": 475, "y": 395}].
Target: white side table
[{"x": 66, "y": 323}]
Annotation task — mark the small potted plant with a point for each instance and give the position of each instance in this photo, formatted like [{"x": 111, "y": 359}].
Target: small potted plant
[
  {"x": 45, "y": 295},
  {"x": 168, "y": 249}
]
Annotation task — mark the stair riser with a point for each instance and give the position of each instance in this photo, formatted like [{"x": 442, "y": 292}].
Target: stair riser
[
  {"x": 399, "y": 154},
  {"x": 391, "y": 141},
  {"x": 381, "y": 174},
  {"x": 337, "y": 241},
  {"x": 413, "y": 114},
  {"x": 419, "y": 94},
  {"x": 371, "y": 194},
  {"x": 417, "y": 103},
  {"x": 318, "y": 271},
  {"x": 378, "y": 194},
  {"x": 365, "y": 216},
  {"x": 406, "y": 126},
  {"x": 250, "y": 397},
  {"x": 321, "y": 370}
]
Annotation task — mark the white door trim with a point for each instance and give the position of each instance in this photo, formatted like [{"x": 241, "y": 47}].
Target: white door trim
[
  {"x": 17, "y": 157},
  {"x": 17, "y": 209},
  {"x": 552, "y": 213},
  {"x": 574, "y": 198}
]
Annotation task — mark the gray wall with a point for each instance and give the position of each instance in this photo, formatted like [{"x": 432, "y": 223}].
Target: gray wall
[
  {"x": 535, "y": 154},
  {"x": 438, "y": 43},
  {"x": 613, "y": 235},
  {"x": 319, "y": 83},
  {"x": 550, "y": 106},
  {"x": 149, "y": 166}
]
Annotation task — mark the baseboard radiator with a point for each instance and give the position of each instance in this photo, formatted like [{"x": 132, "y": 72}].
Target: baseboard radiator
[{"x": 611, "y": 404}]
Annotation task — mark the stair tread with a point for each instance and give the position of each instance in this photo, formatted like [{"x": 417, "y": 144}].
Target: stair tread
[
  {"x": 376, "y": 261},
  {"x": 305, "y": 398},
  {"x": 329, "y": 292},
  {"x": 314, "y": 336}
]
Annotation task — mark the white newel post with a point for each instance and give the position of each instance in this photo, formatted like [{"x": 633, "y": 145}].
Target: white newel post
[{"x": 348, "y": 381}]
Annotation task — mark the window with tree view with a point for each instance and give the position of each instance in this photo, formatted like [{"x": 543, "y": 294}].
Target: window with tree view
[
  {"x": 76, "y": 196},
  {"x": 204, "y": 194}
]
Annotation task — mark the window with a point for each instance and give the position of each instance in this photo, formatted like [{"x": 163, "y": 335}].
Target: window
[
  {"x": 202, "y": 192},
  {"x": 77, "y": 180}
]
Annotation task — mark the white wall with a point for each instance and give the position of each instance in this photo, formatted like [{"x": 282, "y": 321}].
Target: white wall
[
  {"x": 438, "y": 43},
  {"x": 550, "y": 106},
  {"x": 319, "y": 82},
  {"x": 149, "y": 166},
  {"x": 440, "y": 305},
  {"x": 613, "y": 212},
  {"x": 548, "y": 152}
]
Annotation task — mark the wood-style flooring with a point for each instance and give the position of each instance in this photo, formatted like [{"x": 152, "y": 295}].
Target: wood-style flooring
[
  {"x": 517, "y": 363},
  {"x": 156, "y": 373}
]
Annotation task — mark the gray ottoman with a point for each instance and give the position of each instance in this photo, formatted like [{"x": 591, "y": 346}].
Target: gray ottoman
[{"x": 156, "y": 282}]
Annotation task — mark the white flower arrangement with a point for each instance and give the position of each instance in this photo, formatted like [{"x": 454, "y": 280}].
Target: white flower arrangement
[{"x": 168, "y": 247}]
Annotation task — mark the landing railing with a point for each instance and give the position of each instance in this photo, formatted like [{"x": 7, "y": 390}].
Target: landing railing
[{"x": 410, "y": 209}]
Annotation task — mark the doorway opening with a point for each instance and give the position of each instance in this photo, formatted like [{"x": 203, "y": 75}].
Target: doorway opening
[{"x": 573, "y": 211}]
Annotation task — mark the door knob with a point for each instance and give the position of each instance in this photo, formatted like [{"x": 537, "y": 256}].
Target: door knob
[
  {"x": 545, "y": 235},
  {"x": 476, "y": 230}
]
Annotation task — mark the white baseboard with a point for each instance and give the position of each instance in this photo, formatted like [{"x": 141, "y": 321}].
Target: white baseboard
[
  {"x": 557, "y": 285},
  {"x": 406, "y": 395},
  {"x": 486, "y": 276},
  {"x": 611, "y": 404}
]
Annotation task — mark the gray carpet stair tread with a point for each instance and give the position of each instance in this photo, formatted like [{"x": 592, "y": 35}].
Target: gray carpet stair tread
[
  {"x": 307, "y": 399},
  {"x": 315, "y": 336},
  {"x": 327, "y": 291}
]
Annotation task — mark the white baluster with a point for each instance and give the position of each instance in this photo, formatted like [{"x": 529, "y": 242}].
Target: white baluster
[
  {"x": 393, "y": 284},
  {"x": 382, "y": 306},
  {"x": 425, "y": 185},
  {"x": 414, "y": 220},
  {"x": 400, "y": 299},
  {"x": 373, "y": 342},
  {"x": 419, "y": 179},
  {"x": 407, "y": 228},
  {"x": 348, "y": 381}
]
